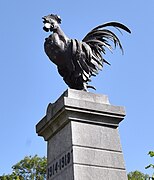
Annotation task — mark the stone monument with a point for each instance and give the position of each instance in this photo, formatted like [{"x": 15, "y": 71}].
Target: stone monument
[
  {"x": 81, "y": 128},
  {"x": 83, "y": 143}
]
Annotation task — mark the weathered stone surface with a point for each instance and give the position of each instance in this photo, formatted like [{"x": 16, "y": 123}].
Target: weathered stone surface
[
  {"x": 83, "y": 172},
  {"x": 83, "y": 140},
  {"x": 96, "y": 110},
  {"x": 95, "y": 136},
  {"x": 98, "y": 157},
  {"x": 59, "y": 143},
  {"x": 87, "y": 96}
]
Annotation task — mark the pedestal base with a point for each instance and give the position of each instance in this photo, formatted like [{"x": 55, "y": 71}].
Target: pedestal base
[{"x": 83, "y": 140}]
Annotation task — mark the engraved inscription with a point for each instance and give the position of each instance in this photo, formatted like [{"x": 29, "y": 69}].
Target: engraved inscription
[{"x": 59, "y": 164}]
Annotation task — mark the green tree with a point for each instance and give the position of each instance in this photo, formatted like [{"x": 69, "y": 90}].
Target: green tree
[
  {"x": 151, "y": 154},
  {"x": 137, "y": 175},
  {"x": 30, "y": 168}
]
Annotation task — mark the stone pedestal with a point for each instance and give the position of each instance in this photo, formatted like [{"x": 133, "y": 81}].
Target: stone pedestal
[{"x": 81, "y": 130}]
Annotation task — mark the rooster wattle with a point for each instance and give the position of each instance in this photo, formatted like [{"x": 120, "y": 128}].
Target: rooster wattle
[{"x": 78, "y": 60}]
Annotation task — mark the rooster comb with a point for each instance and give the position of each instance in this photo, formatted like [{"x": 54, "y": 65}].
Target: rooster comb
[{"x": 56, "y": 17}]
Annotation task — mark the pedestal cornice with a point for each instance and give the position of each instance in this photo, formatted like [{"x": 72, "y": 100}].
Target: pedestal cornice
[{"x": 75, "y": 105}]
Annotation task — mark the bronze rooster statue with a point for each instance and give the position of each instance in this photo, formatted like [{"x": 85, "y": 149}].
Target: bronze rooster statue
[{"x": 78, "y": 60}]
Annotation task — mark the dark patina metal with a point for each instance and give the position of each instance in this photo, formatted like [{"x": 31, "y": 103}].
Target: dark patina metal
[{"x": 78, "y": 60}]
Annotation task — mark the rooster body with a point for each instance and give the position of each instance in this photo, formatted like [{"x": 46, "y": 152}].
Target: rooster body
[{"x": 77, "y": 60}]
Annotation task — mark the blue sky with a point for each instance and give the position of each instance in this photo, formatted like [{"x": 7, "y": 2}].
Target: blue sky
[{"x": 29, "y": 81}]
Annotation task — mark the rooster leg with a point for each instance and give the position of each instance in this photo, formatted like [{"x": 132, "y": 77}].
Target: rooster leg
[{"x": 85, "y": 87}]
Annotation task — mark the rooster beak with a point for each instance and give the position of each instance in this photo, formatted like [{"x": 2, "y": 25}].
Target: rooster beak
[{"x": 47, "y": 25}]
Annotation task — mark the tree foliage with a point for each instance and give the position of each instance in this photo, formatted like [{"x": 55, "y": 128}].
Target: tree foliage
[
  {"x": 151, "y": 154},
  {"x": 30, "y": 168},
  {"x": 137, "y": 175}
]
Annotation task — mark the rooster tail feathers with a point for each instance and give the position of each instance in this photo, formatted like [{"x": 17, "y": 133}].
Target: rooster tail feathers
[
  {"x": 114, "y": 24},
  {"x": 87, "y": 54},
  {"x": 100, "y": 37}
]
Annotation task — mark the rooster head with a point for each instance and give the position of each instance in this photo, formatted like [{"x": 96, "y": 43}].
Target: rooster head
[{"x": 51, "y": 22}]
